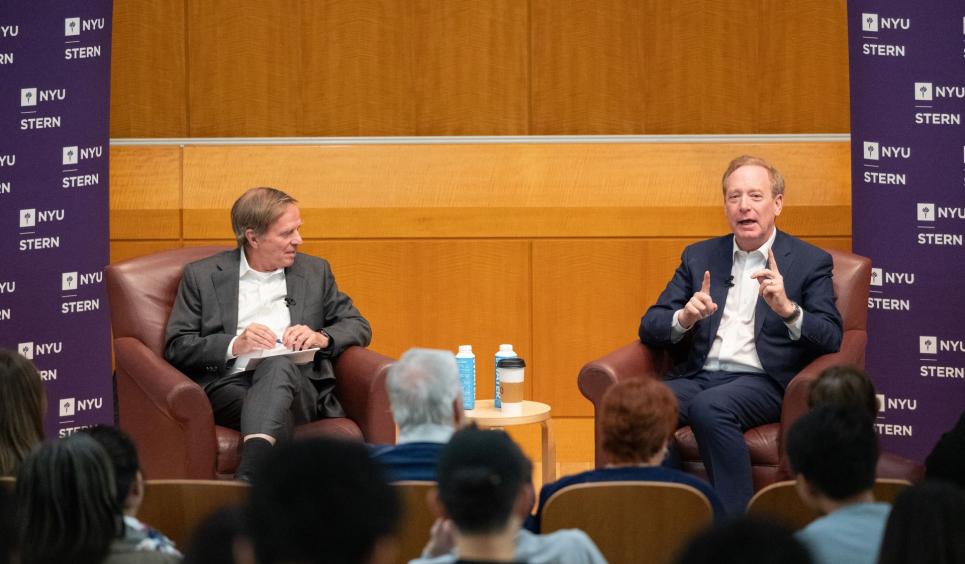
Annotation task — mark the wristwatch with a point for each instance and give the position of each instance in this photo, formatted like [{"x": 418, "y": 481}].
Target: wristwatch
[{"x": 794, "y": 315}]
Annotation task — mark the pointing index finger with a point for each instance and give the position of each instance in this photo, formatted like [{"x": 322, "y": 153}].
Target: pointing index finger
[
  {"x": 705, "y": 287},
  {"x": 771, "y": 261}
]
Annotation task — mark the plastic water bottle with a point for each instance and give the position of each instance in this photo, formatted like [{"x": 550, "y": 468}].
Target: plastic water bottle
[
  {"x": 466, "y": 362},
  {"x": 505, "y": 351}
]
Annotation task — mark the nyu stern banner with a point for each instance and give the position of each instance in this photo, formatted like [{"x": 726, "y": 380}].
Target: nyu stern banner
[
  {"x": 907, "y": 64},
  {"x": 55, "y": 62}
]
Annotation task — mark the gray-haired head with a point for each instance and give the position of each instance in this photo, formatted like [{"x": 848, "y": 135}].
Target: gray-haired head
[{"x": 423, "y": 387}]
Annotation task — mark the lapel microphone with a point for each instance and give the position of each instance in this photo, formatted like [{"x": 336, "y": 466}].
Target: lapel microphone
[
  {"x": 289, "y": 302},
  {"x": 730, "y": 281}
]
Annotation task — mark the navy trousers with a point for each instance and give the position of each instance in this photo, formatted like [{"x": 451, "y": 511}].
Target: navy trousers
[{"x": 719, "y": 407}]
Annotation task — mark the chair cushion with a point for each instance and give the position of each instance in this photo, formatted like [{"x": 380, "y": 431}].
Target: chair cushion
[{"x": 229, "y": 440}]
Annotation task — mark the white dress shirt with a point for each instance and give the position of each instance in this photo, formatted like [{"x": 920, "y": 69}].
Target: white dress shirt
[
  {"x": 734, "y": 349},
  {"x": 261, "y": 299}
]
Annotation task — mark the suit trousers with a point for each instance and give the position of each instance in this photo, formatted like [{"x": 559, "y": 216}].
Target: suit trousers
[
  {"x": 272, "y": 399},
  {"x": 719, "y": 407}
]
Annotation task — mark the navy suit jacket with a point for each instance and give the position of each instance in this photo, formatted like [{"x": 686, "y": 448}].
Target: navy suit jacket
[{"x": 807, "y": 280}]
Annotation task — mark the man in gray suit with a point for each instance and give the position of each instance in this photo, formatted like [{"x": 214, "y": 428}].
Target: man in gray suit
[{"x": 258, "y": 297}]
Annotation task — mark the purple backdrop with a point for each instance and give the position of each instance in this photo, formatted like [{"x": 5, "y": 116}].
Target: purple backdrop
[
  {"x": 908, "y": 197},
  {"x": 55, "y": 62}
]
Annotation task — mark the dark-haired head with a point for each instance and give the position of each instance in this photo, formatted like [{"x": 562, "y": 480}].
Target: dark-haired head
[
  {"x": 835, "y": 450},
  {"x": 844, "y": 386},
  {"x": 123, "y": 454},
  {"x": 321, "y": 500},
  {"x": 22, "y": 406},
  {"x": 746, "y": 540},
  {"x": 925, "y": 526},
  {"x": 481, "y": 475},
  {"x": 66, "y": 507}
]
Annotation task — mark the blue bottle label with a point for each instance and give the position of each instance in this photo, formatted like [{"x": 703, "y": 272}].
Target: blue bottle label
[{"x": 467, "y": 379}]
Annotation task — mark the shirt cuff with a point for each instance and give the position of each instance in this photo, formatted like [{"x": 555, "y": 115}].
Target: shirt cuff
[
  {"x": 794, "y": 327},
  {"x": 231, "y": 346},
  {"x": 677, "y": 331}
]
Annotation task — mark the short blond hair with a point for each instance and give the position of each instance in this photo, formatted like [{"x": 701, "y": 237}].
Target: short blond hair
[
  {"x": 256, "y": 209},
  {"x": 777, "y": 181}
]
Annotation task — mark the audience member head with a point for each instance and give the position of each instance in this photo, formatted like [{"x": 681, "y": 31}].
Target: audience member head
[
  {"x": 22, "y": 406},
  {"x": 424, "y": 388},
  {"x": 947, "y": 460},
  {"x": 834, "y": 450},
  {"x": 8, "y": 530},
  {"x": 215, "y": 539},
  {"x": 639, "y": 417},
  {"x": 321, "y": 500},
  {"x": 925, "y": 526},
  {"x": 127, "y": 470},
  {"x": 67, "y": 510},
  {"x": 746, "y": 540},
  {"x": 483, "y": 482},
  {"x": 844, "y": 386},
  {"x": 256, "y": 209}
]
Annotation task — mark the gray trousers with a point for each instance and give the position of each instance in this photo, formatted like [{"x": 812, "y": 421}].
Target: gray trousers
[{"x": 272, "y": 399}]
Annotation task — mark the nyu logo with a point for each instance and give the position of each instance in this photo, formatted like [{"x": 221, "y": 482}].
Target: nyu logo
[
  {"x": 73, "y": 153},
  {"x": 9, "y": 30},
  {"x": 29, "y": 350},
  {"x": 931, "y": 212},
  {"x": 73, "y": 26},
  {"x": 879, "y": 277},
  {"x": 895, "y": 404},
  {"x": 71, "y": 280},
  {"x": 928, "y": 345},
  {"x": 874, "y": 151},
  {"x": 31, "y": 217},
  {"x": 70, "y": 406},
  {"x": 871, "y": 22},
  {"x": 31, "y": 96},
  {"x": 8, "y": 160},
  {"x": 927, "y": 91},
  {"x": 8, "y": 287}
]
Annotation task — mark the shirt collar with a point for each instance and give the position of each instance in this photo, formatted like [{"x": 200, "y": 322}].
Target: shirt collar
[
  {"x": 426, "y": 433},
  {"x": 762, "y": 250},
  {"x": 245, "y": 268}
]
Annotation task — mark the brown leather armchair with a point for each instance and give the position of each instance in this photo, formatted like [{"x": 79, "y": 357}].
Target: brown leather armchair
[
  {"x": 168, "y": 414},
  {"x": 852, "y": 279}
]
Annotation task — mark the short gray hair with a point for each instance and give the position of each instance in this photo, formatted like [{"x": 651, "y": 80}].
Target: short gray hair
[{"x": 422, "y": 387}]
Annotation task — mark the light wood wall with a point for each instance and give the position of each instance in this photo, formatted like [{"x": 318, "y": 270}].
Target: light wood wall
[
  {"x": 211, "y": 68},
  {"x": 556, "y": 248}
]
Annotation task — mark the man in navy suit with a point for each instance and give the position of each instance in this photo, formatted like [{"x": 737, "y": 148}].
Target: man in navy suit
[{"x": 758, "y": 306}]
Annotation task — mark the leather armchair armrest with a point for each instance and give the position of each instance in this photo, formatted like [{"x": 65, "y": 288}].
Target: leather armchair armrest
[
  {"x": 796, "y": 395},
  {"x": 360, "y": 388},
  {"x": 632, "y": 360},
  {"x": 166, "y": 413}
]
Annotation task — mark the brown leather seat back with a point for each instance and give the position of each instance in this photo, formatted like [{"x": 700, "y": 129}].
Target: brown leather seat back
[
  {"x": 852, "y": 274},
  {"x": 142, "y": 291}
]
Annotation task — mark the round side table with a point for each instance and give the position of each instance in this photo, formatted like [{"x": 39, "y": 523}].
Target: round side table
[{"x": 487, "y": 416}]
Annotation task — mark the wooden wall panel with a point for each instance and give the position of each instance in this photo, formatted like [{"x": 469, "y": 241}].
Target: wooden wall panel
[
  {"x": 148, "y": 72},
  {"x": 500, "y": 67},
  {"x": 803, "y": 67},
  {"x": 629, "y": 67},
  {"x": 370, "y": 67},
  {"x": 538, "y": 190},
  {"x": 145, "y": 192},
  {"x": 588, "y": 297}
]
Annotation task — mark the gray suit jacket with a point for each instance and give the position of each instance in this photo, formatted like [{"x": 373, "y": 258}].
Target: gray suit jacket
[{"x": 205, "y": 316}]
